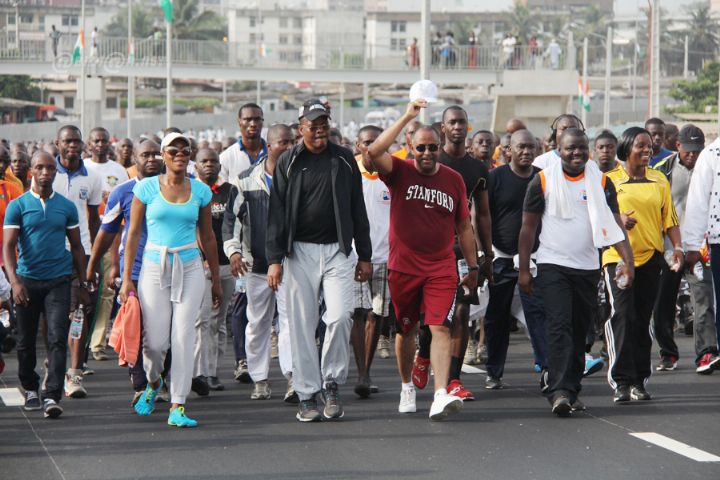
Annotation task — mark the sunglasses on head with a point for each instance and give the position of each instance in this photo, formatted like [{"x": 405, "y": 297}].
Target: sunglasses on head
[
  {"x": 433, "y": 147},
  {"x": 174, "y": 151}
]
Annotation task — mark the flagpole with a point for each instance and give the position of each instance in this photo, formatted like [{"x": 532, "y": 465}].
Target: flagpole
[
  {"x": 583, "y": 85},
  {"x": 82, "y": 67},
  {"x": 608, "y": 66},
  {"x": 131, "y": 80},
  {"x": 168, "y": 87}
]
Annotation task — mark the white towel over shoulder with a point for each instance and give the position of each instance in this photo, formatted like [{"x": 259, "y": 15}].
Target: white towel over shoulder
[{"x": 560, "y": 204}]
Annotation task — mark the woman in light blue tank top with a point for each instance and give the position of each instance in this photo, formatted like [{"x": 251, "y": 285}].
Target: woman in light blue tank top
[{"x": 171, "y": 287}]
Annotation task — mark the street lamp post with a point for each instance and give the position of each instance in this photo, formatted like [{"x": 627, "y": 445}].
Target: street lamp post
[
  {"x": 424, "y": 47},
  {"x": 608, "y": 65}
]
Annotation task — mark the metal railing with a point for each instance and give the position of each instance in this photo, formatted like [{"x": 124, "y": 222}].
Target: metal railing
[{"x": 149, "y": 51}]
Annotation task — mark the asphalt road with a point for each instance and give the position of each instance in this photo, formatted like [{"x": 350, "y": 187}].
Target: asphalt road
[{"x": 506, "y": 434}]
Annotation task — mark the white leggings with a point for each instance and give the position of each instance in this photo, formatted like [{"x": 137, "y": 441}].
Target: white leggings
[{"x": 166, "y": 323}]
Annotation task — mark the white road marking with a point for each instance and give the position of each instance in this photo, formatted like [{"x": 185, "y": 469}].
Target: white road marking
[
  {"x": 677, "y": 447},
  {"x": 12, "y": 397},
  {"x": 470, "y": 369}
]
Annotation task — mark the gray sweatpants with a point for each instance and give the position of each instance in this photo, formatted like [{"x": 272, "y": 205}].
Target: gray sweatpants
[
  {"x": 704, "y": 329},
  {"x": 166, "y": 322},
  {"x": 313, "y": 269},
  {"x": 211, "y": 332}
]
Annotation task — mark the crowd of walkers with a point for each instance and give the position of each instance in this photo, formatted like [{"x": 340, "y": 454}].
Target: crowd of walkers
[{"x": 306, "y": 249}]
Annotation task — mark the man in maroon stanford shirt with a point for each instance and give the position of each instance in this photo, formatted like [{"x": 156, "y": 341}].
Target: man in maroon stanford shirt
[{"x": 428, "y": 205}]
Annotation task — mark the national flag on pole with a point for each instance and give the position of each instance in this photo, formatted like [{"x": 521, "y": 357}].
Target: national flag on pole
[
  {"x": 264, "y": 50},
  {"x": 584, "y": 94},
  {"x": 79, "y": 47},
  {"x": 167, "y": 6},
  {"x": 131, "y": 52}
]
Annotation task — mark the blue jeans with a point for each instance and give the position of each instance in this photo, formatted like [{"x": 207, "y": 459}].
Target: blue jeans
[{"x": 53, "y": 298}]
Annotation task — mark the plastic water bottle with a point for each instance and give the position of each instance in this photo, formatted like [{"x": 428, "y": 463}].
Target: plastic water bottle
[
  {"x": 240, "y": 284},
  {"x": 698, "y": 271},
  {"x": 622, "y": 282},
  {"x": 463, "y": 270},
  {"x": 5, "y": 318},
  {"x": 78, "y": 317}
]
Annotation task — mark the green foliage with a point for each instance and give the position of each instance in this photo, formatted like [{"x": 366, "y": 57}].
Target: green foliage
[
  {"x": 523, "y": 24},
  {"x": 144, "y": 19},
  {"x": 699, "y": 93},
  {"x": 703, "y": 35},
  {"x": 190, "y": 23},
  {"x": 19, "y": 87},
  {"x": 202, "y": 103}
]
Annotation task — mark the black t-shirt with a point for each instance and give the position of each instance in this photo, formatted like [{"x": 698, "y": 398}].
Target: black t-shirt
[
  {"x": 473, "y": 171},
  {"x": 316, "y": 212},
  {"x": 506, "y": 192},
  {"x": 535, "y": 198},
  {"x": 221, "y": 194}
]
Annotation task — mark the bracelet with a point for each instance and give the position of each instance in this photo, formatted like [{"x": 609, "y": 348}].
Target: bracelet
[
  {"x": 680, "y": 249},
  {"x": 475, "y": 268}
]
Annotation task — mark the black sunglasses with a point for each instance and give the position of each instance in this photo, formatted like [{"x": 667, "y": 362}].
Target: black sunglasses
[
  {"x": 174, "y": 151},
  {"x": 433, "y": 147}
]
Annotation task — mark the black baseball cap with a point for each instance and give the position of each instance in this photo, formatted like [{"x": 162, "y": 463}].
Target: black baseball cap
[
  {"x": 691, "y": 138},
  {"x": 313, "y": 109}
]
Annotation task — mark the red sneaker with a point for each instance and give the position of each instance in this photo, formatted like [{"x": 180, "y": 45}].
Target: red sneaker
[
  {"x": 420, "y": 371},
  {"x": 457, "y": 389},
  {"x": 707, "y": 364}
]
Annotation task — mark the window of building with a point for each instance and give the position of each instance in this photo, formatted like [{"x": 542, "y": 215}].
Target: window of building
[
  {"x": 41, "y": 21},
  {"x": 111, "y": 103},
  {"x": 297, "y": 22},
  {"x": 402, "y": 43},
  {"x": 298, "y": 40},
  {"x": 393, "y": 44},
  {"x": 253, "y": 21},
  {"x": 69, "y": 21},
  {"x": 397, "y": 26},
  {"x": 26, "y": 18},
  {"x": 11, "y": 19},
  {"x": 253, "y": 38},
  {"x": 69, "y": 102},
  {"x": 283, "y": 39},
  {"x": 283, "y": 22}
]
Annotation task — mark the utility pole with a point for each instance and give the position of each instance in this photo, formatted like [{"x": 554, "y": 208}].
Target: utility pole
[
  {"x": 82, "y": 66},
  {"x": 130, "y": 111},
  {"x": 168, "y": 87},
  {"x": 687, "y": 51},
  {"x": 583, "y": 111},
  {"x": 608, "y": 68},
  {"x": 424, "y": 48}
]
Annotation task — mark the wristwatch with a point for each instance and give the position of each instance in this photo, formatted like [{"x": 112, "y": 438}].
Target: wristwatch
[
  {"x": 85, "y": 285},
  {"x": 475, "y": 268}
]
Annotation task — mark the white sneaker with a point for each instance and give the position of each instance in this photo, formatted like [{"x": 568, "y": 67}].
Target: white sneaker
[
  {"x": 444, "y": 405},
  {"x": 407, "y": 401},
  {"x": 261, "y": 391},
  {"x": 74, "y": 384}
]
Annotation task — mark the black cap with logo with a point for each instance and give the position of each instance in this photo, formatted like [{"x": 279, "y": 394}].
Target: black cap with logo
[
  {"x": 313, "y": 109},
  {"x": 691, "y": 138}
]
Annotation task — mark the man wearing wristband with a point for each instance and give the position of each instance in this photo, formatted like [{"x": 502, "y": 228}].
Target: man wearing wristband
[{"x": 428, "y": 205}]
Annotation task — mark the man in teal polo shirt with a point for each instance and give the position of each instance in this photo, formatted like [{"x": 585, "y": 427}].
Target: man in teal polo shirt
[{"x": 36, "y": 224}]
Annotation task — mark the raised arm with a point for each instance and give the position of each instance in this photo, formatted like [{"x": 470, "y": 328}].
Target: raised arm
[{"x": 380, "y": 160}]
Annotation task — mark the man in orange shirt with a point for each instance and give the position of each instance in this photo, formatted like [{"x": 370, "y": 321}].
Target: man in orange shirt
[{"x": 8, "y": 190}]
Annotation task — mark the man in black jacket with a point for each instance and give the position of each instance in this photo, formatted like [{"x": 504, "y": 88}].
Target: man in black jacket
[{"x": 316, "y": 211}]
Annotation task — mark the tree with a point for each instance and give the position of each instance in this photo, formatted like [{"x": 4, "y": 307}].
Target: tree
[
  {"x": 191, "y": 24},
  {"x": 703, "y": 35},
  {"x": 523, "y": 23},
  {"x": 144, "y": 19},
  {"x": 701, "y": 92},
  {"x": 19, "y": 87}
]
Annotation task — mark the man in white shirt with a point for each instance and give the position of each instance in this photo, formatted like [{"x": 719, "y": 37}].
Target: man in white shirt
[
  {"x": 249, "y": 149},
  {"x": 112, "y": 174},
  {"x": 559, "y": 125},
  {"x": 372, "y": 298},
  {"x": 83, "y": 187}
]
